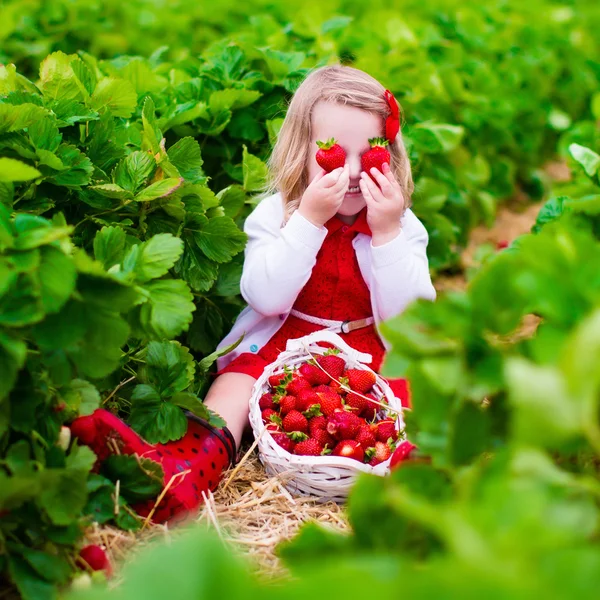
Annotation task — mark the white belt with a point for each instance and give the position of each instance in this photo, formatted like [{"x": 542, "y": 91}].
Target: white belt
[{"x": 336, "y": 326}]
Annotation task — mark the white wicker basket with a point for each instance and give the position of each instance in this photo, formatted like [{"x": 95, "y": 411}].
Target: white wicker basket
[{"x": 327, "y": 477}]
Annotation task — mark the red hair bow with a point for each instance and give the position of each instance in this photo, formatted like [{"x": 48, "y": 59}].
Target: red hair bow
[{"x": 392, "y": 123}]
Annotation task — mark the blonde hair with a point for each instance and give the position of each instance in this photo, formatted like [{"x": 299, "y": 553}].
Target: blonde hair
[{"x": 337, "y": 84}]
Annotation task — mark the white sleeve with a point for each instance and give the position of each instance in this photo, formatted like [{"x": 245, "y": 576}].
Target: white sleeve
[
  {"x": 400, "y": 270},
  {"x": 278, "y": 261}
]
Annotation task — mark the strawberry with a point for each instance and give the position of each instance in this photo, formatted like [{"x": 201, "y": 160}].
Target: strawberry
[
  {"x": 329, "y": 403},
  {"x": 343, "y": 425},
  {"x": 306, "y": 398},
  {"x": 359, "y": 380},
  {"x": 295, "y": 421},
  {"x": 337, "y": 387},
  {"x": 281, "y": 439},
  {"x": 330, "y": 155},
  {"x": 371, "y": 408},
  {"x": 313, "y": 374},
  {"x": 375, "y": 156},
  {"x": 95, "y": 558},
  {"x": 273, "y": 427},
  {"x": 365, "y": 437},
  {"x": 502, "y": 245},
  {"x": 350, "y": 449},
  {"x": 402, "y": 453},
  {"x": 356, "y": 403},
  {"x": 326, "y": 440},
  {"x": 334, "y": 365},
  {"x": 310, "y": 447},
  {"x": 266, "y": 401},
  {"x": 286, "y": 404},
  {"x": 378, "y": 454},
  {"x": 280, "y": 379},
  {"x": 267, "y": 415},
  {"x": 317, "y": 423},
  {"x": 386, "y": 429},
  {"x": 297, "y": 384}
]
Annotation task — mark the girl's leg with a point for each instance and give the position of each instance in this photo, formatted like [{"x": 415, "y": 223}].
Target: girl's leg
[{"x": 229, "y": 397}]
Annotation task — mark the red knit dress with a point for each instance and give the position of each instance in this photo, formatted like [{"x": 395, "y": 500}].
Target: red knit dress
[{"x": 336, "y": 290}]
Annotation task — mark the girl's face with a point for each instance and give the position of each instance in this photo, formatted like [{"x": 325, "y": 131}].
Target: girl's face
[{"x": 352, "y": 128}]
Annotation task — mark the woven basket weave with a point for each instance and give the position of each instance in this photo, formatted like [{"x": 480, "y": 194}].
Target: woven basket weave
[{"x": 326, "y": 477}]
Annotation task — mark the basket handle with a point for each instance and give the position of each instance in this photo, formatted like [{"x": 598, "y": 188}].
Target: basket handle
[{"x": 323, "y": 335}]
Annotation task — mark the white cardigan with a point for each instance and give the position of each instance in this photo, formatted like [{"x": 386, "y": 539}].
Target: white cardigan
[{"x": 278, "y": 263}]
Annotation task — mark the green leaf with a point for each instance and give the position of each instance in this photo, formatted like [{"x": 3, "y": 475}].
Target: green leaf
[
  {"x": 159, "y": 189},
  {"x": 255, "y": 172},
  {"x": 437, "y": 138},
  {"x": 232, "y": 199},
  {"x": 109, "y": 246},
  {"x": 199, "y": 271},
  {"x": 44, "y": 135},
  {"x": 78, "y": 167},
  {"x": 152, "y": 134},
  {"x": 132, "y": 172},
  {"x": 228, "y": 281},
  {"x": 232, "y": 99},
  {"x": 118, "y": 95},
  {"x": 155, "y": 257},
  {"x": 154, "y": 419},
  {"x": 587, "y": 158},
  {"x": 29, "y": 584},
  {"x": 112, "y": 190},
  {"x": 58, "y": 81},
  {"x": 140, "y": 478},
  {"x": 186, "y": 157},
  {"x": 15, "y": 170},
  {"x": 14, "y": 118},
  {"x": 169, "y": 309},
  {"x": 219, "y": 238},
  {"x": 63, "y": 494},
  {"x": 13, "y": 352},
  {"x": 169, "y": 367},
  {"x": 81, "y": 396},
  {"x": 57, "y": 277}
]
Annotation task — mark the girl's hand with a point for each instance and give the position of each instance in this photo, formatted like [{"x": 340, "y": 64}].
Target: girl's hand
[
  {"x": 324, "y": 195},
  {"x": 385, "y": 204}
]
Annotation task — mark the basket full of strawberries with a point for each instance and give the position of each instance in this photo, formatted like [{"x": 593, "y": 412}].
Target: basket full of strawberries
[{"x": 321, "y": 416}]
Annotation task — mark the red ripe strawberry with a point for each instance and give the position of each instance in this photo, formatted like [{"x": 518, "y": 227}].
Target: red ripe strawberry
[
  {"x": 365, "y": 437},
  {"x": 273, "y": 427},
  {"x": 330, "y": 155},
  {"x": 324, "y": 438},
  {"x": 284, "y": 441},
  {"x": 334, "y": 365},
  {"x": 502, "y": 244},
  {"x": 381, "y": 452},
  {"x": 297, "y": 384},
  {"x": 95, "y": 558},
  {"x": 266, "y": 401},
  {"x": 286, "y": 404},
  {"x": 295, "y": 421},
  {"x": 370, "y": 409},
  {"x": 343, "y": 425},
  {"x": 310, "y": 447},
  {"x": 350, "y": 449},
  {"x": 375, "y": 156},
  {"x": 360, "y": 380},
  {"x": 402, "y": 453},
  {"x": 329, "y": 402},
  {"x": 306, "y": 398},
  {"x": 356, "y": 403},
  {"x": 267, "y": 414},
  {"x": 317, "y": 423},
  {"x": 386, "y": 429},
  {"x": 337, "y": 387},
  {"x": 277, "y": 379},
  {"x": 313, "y": 374}
]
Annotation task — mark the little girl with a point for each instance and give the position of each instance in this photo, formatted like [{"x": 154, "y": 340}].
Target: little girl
[{"x": 337, "y": 250}]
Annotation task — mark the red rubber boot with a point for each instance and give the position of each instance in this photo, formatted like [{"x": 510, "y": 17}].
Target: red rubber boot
[{"x": 191, "y": 465}]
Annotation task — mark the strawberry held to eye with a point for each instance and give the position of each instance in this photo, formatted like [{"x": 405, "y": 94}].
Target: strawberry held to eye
[
  {"x": 376, "y": 156},
  {"x": 330, "y": 155}
]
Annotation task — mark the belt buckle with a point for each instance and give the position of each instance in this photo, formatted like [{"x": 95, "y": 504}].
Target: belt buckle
[{"x": 343, "y": 327}]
